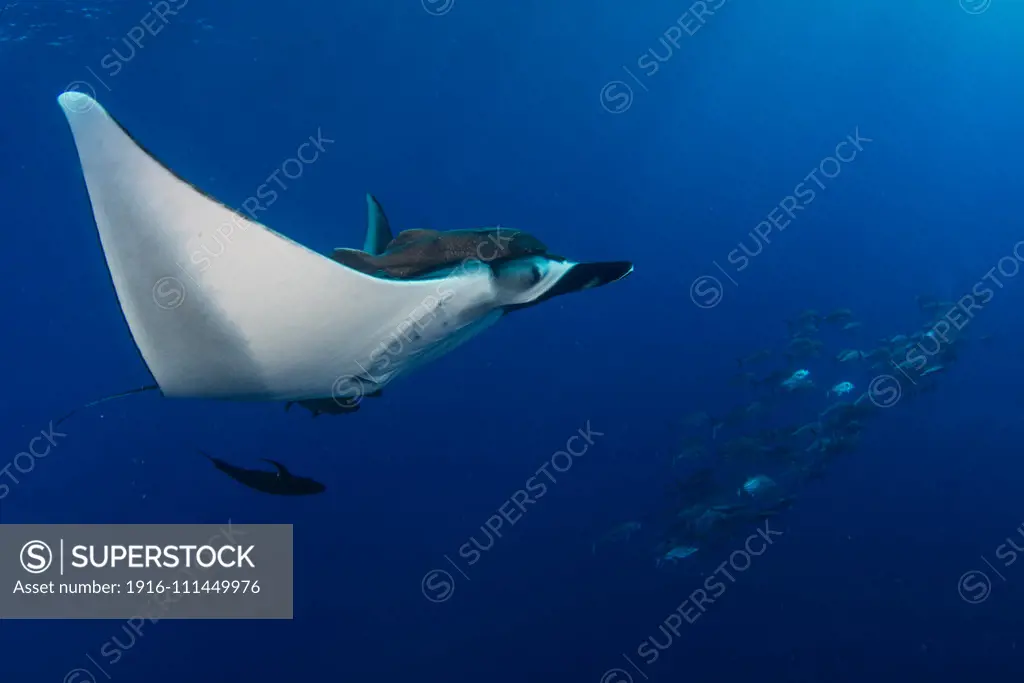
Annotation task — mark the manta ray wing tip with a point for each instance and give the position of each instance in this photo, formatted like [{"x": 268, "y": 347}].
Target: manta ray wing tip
[{"x": 75, "y": 102}]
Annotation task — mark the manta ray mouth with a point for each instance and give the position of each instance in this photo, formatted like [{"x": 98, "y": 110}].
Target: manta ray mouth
[
  {"x": 580, "y": 277},
  {"x": 589, "y": 275}
]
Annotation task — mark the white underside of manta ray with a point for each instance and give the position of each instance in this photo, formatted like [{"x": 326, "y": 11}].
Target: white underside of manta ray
[{"x": 269, "y": 319}]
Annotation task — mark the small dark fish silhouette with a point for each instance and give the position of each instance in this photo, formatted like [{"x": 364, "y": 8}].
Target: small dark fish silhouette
[{"x": 279, "y": 483}]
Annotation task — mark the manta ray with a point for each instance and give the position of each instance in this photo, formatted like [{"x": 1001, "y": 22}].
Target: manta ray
[{"x": 269, "y": 319}]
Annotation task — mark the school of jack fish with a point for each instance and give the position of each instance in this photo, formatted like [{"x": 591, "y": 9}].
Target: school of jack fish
[{"x": 734, "y": 471}]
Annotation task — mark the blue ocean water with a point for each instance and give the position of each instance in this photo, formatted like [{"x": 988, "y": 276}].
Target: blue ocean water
[{"x": 674, "y": 135}]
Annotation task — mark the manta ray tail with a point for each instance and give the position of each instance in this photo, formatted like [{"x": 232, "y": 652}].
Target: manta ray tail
[
  {"x": 131, "y": 392},
  {"x": 378, "y": 231}
]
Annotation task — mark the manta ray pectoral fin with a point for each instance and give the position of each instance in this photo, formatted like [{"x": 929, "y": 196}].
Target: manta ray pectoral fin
[
  {"x": 221, "y": 306},
  {"x": 378, "y": 230}
]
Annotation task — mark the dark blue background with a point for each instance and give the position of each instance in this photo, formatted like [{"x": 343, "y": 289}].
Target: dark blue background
[{"x": 491, "y": 114}]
